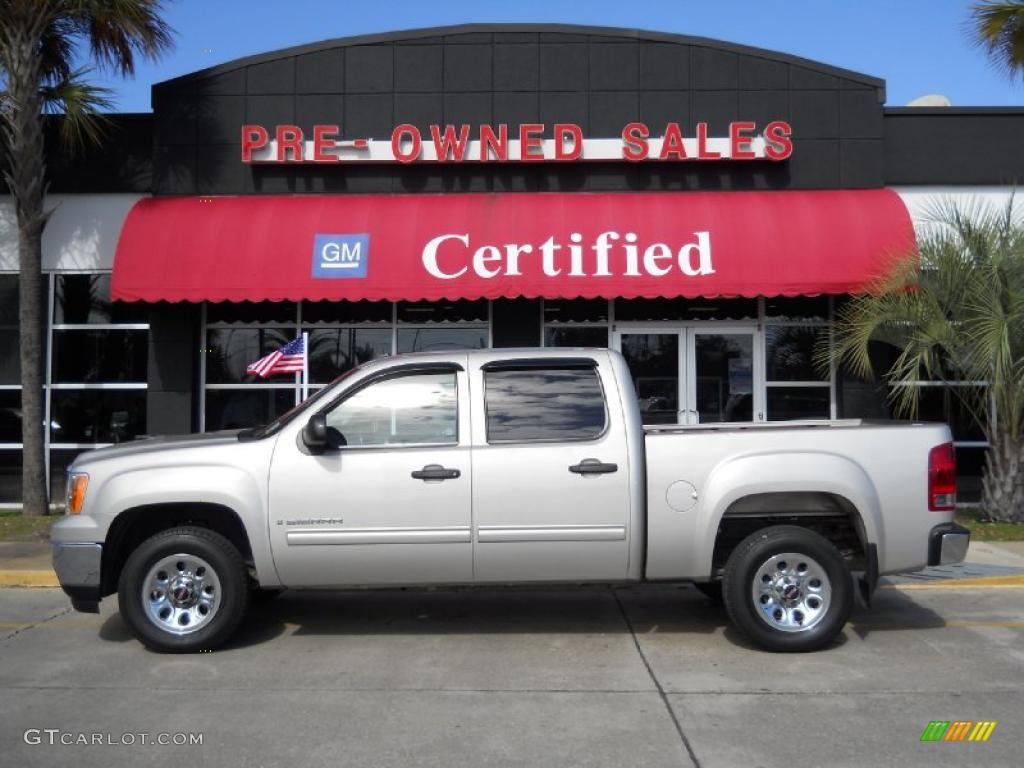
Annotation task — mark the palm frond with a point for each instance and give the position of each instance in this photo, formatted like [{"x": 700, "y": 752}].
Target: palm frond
[
  {"x": 118, "y": 30},
  {"x": 998, "y": 27},
  {"x": 82, "y": 105}
]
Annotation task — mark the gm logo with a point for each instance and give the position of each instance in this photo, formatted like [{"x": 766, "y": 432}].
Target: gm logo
[{"x": 340, "y": 255}]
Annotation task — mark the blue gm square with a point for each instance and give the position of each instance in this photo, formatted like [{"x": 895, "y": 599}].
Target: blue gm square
[{"x": 341, "y": 256}]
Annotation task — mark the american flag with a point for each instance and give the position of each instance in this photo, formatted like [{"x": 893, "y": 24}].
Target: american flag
[{"x": 287, "y": 359}]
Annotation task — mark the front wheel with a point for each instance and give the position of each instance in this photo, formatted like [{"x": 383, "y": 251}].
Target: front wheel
[
  {"x": 787, "y": 589},
  {"x": 184, "y": 590}
]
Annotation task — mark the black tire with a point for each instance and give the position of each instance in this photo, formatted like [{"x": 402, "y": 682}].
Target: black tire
[
  {"x": 227, "y": 603},
  {"x": 786, "y": 600},
  {"x": 712, "y": 590}
]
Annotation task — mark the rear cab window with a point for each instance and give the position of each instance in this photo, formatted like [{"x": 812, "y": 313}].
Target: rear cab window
[{"x": 544, "y": 400}]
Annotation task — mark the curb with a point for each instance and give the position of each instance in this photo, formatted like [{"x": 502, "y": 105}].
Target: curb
[
  {"x": 1002, "y": 582},
  {"x": 28, "y": 579}
]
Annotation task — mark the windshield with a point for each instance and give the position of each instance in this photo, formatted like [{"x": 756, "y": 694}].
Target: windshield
[{"x": 258, "y": 433}]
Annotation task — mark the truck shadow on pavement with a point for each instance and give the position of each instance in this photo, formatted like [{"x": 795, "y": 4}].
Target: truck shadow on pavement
[{"x": 663, "y": 609}]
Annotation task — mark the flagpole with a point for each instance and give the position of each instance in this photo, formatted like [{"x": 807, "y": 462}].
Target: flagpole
[{"x": 305, "y": 365}]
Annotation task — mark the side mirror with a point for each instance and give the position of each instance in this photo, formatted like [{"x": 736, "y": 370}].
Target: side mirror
[{"x": 314, "y": 434}]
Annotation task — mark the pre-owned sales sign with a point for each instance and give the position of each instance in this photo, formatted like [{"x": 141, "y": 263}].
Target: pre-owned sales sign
[{"x": 526, "y": 143}]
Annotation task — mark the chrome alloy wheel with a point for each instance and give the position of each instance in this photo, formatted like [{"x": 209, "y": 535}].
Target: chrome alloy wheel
[
  {"x": 791, "y": 592},
  {"x": 181, "y": 594}
]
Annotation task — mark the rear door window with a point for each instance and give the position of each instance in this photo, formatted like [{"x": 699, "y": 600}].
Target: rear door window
[{"x": 544, "y": 404}]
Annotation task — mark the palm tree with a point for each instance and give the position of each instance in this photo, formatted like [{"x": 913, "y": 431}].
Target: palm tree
[
  {"x": 955, "y": 315},
  {"x": 39, "y": 42},
  {"x": 999, "y": 28}
]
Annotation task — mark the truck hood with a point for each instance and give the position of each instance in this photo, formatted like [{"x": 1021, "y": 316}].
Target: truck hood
[{"x": 162, "y": 444}]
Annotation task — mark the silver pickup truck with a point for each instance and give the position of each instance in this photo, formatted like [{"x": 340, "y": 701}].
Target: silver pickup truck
[{"x": 505, "y": 467}]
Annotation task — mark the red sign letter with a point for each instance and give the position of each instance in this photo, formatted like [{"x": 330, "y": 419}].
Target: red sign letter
[
  {"x": 777, "y": 133},
  {"x": 634, "y": 136},
  {"x": 448, "y": 145},
  {"x": 253, "y": 137},
  {"x": 739, "y": 145},
  {"x": 321, "y": 142},
  {"x": 564, "y": 131},
  {"x": 491, "y": 143},
  {"x": 529, "y": 141},
  {"x": 289, "y": 137},
  {"x": 413, "y": 134},
  {"x": 672, "y": 144},
  {"x": 703, "y": 152}
]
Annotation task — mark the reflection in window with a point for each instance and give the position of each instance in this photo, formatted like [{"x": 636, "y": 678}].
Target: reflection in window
[
  {"x": 332, "y": 351},
  {"x": 575, "y": 336},
  {"x": 550, "y": 404},
  {"x": 789, "y": 353},
  {"x": 788, "y": 403},
  {"x": 85, "y": 299},
  {"x": 415, "y": 409},
  {"x": 229, "y": 351},
  {"x": 242, "y": 408},
  {"x": 103, "y": 356},
  {"x": 10, "y": 475},
  {"x": 458, "y": 311},
  {"x": 97, "y": 415},
  {"x": 441, "y": 339}
]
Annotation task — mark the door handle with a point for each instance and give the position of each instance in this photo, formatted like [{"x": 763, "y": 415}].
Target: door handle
[
  {"x": 593, "y": 467},
  {"x": 435, "y": 472}
]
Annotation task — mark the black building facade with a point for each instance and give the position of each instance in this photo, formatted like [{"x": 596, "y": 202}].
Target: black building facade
[{"x": 119, "y": 370}]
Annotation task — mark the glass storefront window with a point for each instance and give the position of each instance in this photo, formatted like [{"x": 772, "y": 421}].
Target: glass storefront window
[
  {"x": 576, "y": 336},
  {"x": 797, "y": 308},
  {"x": 332, "y": 351},
  {"x": 100, "y": 356},
  {"x": 240, "y": 408},
  {"x": 10, "y": 475},
  {"x": 10, "y": 415},
  {"x": 229, "y": 351},
  {"x": 346, "y": 312},
  {"x": 440, "y": 339},
  {"x": 789, "y": 353},
  {"x": 250, "y": 313},
  {"x": 576, "y": 311},
  {"x": 97, "y": 415},
  {"x": 787, "y": 403},
  {"x": 85, "y": 299},
  {"x": 943, "y": 403},
  {"x": 657, "y": 310},
  {"x": 460, "y": 311},
  {"x": 10, "y": 361}
]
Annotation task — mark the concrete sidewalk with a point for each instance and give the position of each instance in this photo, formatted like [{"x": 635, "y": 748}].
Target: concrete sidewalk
[{"x": 28, "y": 564}]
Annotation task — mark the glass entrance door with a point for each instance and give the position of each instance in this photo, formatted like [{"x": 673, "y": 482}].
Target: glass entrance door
[
  {"x": 695, "y": 374},
  {"x": 721, "y": 373}
]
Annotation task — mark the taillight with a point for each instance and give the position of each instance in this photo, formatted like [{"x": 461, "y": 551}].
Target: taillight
[{"x": 942, "y": 478}]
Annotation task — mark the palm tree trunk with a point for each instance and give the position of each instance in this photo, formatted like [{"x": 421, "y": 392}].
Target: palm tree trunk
[
  {"x": 26, "y": 170},
  {"x": 1003, "y": 484}
]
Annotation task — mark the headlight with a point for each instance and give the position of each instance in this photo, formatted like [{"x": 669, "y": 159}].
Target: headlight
[{"x": 77, "y": 483}]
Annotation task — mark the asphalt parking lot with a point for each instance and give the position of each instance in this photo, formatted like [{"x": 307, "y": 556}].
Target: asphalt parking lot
[{"x": 595, "y": 676}]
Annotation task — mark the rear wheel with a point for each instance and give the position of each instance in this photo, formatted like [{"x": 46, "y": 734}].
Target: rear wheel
[
  {"x": 787, "y": 589},
  {"x": 184, "y": 590}
]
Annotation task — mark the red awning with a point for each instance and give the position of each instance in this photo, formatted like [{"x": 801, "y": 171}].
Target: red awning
[{"x": 469, "y": 246}]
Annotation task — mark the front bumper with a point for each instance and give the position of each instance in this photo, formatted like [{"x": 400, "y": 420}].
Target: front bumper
[
  {"x": 947, "y": 543},
  {"x": 78, "y": 568}
]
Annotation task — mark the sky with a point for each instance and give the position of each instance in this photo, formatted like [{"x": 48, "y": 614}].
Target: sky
[{"x": 918, "y": 46}]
